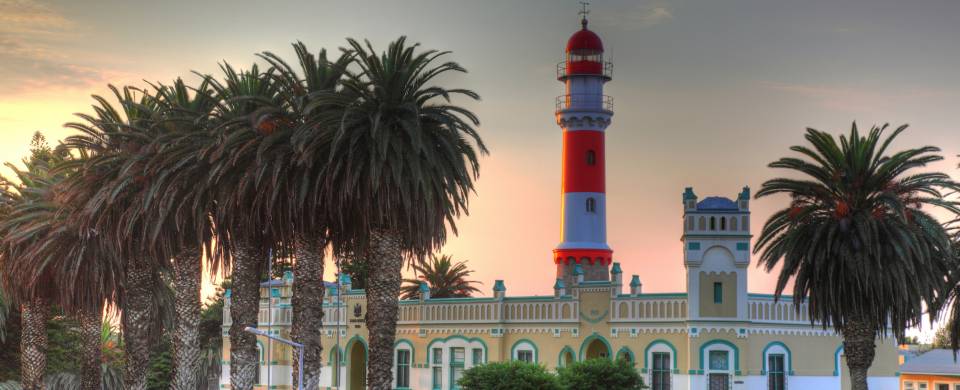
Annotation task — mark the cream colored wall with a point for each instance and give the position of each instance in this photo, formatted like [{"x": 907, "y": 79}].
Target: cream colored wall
[{"x": 728, "y": 308}]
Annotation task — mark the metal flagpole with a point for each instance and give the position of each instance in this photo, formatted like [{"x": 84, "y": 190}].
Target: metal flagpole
[{"x": 269, "y": 311}]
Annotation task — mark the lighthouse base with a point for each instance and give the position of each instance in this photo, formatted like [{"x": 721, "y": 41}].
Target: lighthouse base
[{"x": 596, "y": 272}]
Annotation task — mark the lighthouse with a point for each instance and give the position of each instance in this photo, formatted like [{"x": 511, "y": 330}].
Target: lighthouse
[{"x": 583, "y": 114}]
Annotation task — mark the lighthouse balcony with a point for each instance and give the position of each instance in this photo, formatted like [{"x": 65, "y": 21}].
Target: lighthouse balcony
[
  {"x": 569, "y": 68},
  {"x": 584, "y": 102}
]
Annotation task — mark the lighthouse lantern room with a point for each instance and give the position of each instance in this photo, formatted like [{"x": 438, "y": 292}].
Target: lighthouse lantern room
[{"x": 583, "y": 114}]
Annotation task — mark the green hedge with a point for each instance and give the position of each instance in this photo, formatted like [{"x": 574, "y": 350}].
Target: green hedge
[
  {"x": 513, "y": 375},
  {"x": 587, "y": 375}
]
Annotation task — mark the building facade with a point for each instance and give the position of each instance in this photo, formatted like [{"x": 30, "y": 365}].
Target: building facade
[{"x": 712, "y": 335}]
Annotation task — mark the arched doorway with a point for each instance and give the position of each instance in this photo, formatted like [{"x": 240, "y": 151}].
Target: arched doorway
[
  {"x": 566, "y": 358},
  {"x": 597, "y": 349},
  {"x": 357, "y": 369}
]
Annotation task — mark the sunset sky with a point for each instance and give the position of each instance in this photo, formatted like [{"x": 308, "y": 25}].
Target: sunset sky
[{"x": 706, "y": 94}]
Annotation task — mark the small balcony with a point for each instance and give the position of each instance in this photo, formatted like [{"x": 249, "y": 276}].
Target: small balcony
[
  {"x": 584, "y": 103},
  {"x": 585, "y": 68}
]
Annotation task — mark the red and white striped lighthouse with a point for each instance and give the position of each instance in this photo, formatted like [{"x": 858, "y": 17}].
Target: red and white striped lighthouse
[{"x": 583, "y": 114}]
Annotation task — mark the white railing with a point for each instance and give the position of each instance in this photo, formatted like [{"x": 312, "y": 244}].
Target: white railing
[
  {"x": 784, "y": 311},
  {"x": 648, "y": 309}
]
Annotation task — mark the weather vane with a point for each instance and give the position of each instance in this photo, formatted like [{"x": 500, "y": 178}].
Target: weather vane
[{"x": 584, "y": 12}]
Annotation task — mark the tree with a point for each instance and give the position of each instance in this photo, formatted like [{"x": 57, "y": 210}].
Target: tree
[
  {"x": 855, "y": 240},
  {"x": 110, "y": 184},
  {"x": 401, "y": 166},
  {"x": 445, "y": 278},
  {"x": 294, "y": 173},
  {"x": 618, "y": 374}
]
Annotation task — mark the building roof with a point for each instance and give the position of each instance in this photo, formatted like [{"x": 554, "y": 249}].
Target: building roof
[
  {"x": 936, "y": 361},
  {"x": 717, "y": 203}
]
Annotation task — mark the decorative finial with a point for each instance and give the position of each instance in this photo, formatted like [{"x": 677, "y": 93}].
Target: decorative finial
[{"x": 583, "y": 12}]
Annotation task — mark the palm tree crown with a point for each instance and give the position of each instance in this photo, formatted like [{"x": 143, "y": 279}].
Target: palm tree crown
[
  {"x": 445, "y": 278},
  {"x": 855, "y": 238}
]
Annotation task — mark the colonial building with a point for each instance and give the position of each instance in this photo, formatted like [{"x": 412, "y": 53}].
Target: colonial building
[{"x": 712, "y": 335}]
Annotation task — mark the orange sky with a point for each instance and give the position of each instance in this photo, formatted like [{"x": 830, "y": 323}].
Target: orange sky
[{"x": 705, "y": 95}]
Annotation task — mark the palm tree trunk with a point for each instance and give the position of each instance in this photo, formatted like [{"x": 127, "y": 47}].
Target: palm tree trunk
[
  {"x": 138, "y": 317},
  {"x": 244, "y": 306},
  {"x": 187, "y": 270},
  {"x": 384, "y": 263},
  {"x": 307, "y": 303},
  {"x": 33, "y": 343},
  {"x": 859, "y": 348},
  {"x": 91, "y": 347}
]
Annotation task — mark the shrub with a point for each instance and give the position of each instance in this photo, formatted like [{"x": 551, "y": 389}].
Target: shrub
[
  {"x": 601, "y": 374},
  {"x": 513, "y": 375}
]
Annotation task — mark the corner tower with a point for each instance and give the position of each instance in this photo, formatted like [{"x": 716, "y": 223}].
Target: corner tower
[
  {"x": 716, "y": 253},
  {"x": 583, "y": 114}
]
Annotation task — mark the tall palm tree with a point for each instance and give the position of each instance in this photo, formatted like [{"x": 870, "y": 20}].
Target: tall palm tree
[
  {"x": 33, "y": 297},
  {"x": 183, "y": 231},
  {"x": 445, "y": 278},
  {"x": 109, "y": 184},
  {"x": 290, "y": 176},
  {"x": 855, "y": 240},
  {"x": 401, "y": 166},
  {"x": 247, "y": 106}
]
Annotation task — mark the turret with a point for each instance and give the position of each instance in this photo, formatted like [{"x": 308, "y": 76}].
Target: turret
[
  {"x": 636, "y": 288},
  {"x": 424, "y": 291},
  {"x": 559, "y": 289},
  {"x": 499, "y": 289}
]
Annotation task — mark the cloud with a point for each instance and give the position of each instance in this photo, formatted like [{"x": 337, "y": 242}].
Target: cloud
[
  {"x": 854, "y": 99},
  {"x": 640, "y": 16},
  {"x": 34, "y": 46}
]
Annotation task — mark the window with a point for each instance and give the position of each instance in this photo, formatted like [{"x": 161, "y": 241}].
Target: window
[
  {"x": 525, "y": 356},
  {"x": 733, "y": 223},
  {"x": 713, "y": 223},
  {"x": 403, "y": 368},
  {"x": 591, "y": 205},
  {"x": 723, "y": 223},
  {"x": 477, "y": 356},
  {"x": 718, "y": 360},
  {"x": 717, "y": 292},
  {"x": 591, "y": 157},
  {"x": 689, "y": 223},
  {"x": 776, "y": 379},
  {"x": 660, "y": 374},
  {"x": 908, "y": 386},
  {"x": 437, "y": 368},
  {"x": 943, "y": 386},
  {"x": 703, "y": 223},
  {"x": 457, "y": 358},
  {"x": 922, "y": 386}
]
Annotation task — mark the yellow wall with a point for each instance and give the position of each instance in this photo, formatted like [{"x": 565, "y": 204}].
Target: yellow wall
[{"x": 728, "y": 307}]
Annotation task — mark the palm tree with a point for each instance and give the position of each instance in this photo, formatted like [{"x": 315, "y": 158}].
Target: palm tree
[
  {"x": 109, "y": 183},
  {"x": 293, "y": 175},
  {"x": 401, "y": 166},
  {"x": 854, "y": 239},
  {"x": 247, "y": 106},
  {"x": 445, "y": 278},
  {"x": 34, "y": 298}
]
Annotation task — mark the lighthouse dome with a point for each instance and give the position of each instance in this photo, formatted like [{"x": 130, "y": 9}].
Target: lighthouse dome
[{"x": 584, "y": 41}]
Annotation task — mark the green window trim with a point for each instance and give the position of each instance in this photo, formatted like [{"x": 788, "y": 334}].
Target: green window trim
[
  {"x": 694, "y": 246},
  {"x": 743, "y": 246}
]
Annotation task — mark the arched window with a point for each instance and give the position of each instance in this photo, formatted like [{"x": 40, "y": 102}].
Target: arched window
[
  {"x": 744, "y": 223},
  {"x": 703, "y": 223},
  {"x": 591, "y": 157},
  {"x": 713, "y": 223},
  {"x": 733, "y": 223},
  {"x": 591, "y": 205},
  {"x": 723, "y": 223},
  {"x": 690, "y": 223}
]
